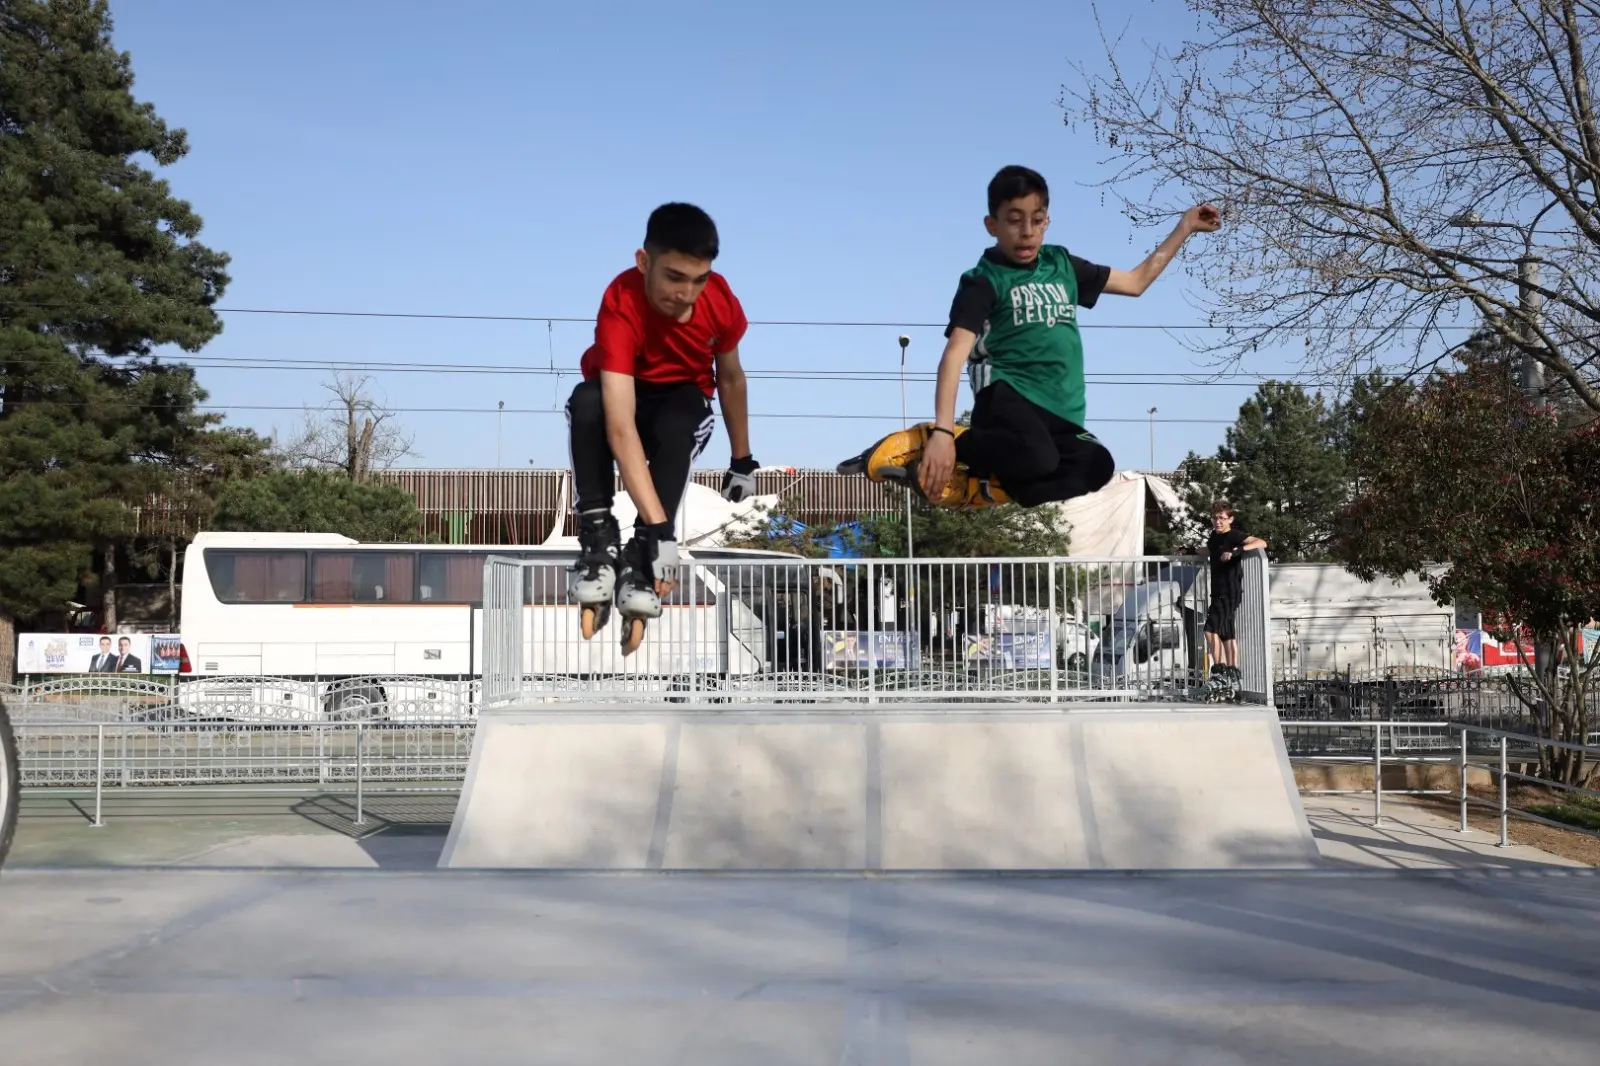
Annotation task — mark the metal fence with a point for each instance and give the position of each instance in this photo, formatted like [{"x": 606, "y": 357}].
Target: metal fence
[
  {"x": 744, "y": 629},
  {"x": 364, "y": 758},
  {"x": 1505, "y": 757}
]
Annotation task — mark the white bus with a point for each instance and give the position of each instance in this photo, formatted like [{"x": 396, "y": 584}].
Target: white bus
[{"x": 321, "y": 607}]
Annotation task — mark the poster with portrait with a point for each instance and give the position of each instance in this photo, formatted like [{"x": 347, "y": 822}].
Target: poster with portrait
[{"x": 86, "y": 653}]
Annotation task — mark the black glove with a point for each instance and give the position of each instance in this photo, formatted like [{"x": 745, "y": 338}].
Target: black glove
[
  {"x": 659, "y": 551},
  {"x": 740, "y": 480}
]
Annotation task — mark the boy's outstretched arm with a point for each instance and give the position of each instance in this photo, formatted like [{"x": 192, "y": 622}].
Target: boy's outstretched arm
[
  {"x": 939, "y": 454},
  {"x": 740, "y": 480},
  {"x": 735, "y": 400},
  {"x": 622, "y": 433},
  {"x": 1202, "y": 219}
]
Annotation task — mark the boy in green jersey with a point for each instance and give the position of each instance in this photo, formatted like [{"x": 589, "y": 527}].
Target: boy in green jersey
[{"x": 1014, "y": 326}]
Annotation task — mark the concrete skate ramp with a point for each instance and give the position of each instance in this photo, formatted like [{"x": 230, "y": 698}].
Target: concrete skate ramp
[{"x": 994, "y": 788}]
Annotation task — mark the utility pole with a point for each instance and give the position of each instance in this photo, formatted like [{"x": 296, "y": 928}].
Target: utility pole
[{"x": 905, "y": 342}]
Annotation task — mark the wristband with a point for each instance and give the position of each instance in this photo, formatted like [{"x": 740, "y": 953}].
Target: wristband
[{"x": 941, "y": 429}]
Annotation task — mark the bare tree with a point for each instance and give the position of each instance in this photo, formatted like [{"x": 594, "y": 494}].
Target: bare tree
[
  {"x": 352, "y": 432},
  {"x": 1383, "y": 166}
]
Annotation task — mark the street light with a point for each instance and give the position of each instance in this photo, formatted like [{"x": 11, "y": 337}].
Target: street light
[
  {"x": 1528, "y": 297},
  {"x": 1529, "y": 300},
  {"x": 905, "y": 342},
  {"x": 1152, "y": 440}
]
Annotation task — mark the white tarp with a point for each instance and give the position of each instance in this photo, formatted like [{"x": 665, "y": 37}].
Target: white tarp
[
  {"x": 704, "y": 518},
  {"x": 1111, "y": 522}
]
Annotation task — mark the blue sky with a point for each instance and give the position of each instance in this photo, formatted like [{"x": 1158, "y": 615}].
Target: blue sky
[{"x": 500, "y": 158}]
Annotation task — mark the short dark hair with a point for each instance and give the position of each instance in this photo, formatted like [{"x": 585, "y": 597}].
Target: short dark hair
[
  {"x": 681, "y": 228},
  {"x": 1221, "y": 507},
  {"x": 1013, "y": 183}
]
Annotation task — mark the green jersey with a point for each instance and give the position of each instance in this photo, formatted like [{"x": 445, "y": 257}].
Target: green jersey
[{"x": 1026, "y": 319}]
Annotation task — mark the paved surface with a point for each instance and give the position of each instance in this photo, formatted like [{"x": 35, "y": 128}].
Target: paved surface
[
  {"x": 1488, "y": 957},
  {"x": 117, "y": 967},
  {"x": 209, "y": 828},
  {"x": 1002, "y": 787},
  {"x": 1412, "y": 837}
]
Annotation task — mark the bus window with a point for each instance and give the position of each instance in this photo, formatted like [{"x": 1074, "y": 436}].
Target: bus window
[
  {"x": 451, "y": 577},
  {"x": 257, "y": 577},
  {"x": 362, "y": 577}
]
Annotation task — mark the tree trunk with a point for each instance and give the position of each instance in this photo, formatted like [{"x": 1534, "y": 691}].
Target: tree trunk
[
  {"x": 172, "y": 585},
  {"x": 8, "y": 648},
  {"x": 108, "y": 588}
]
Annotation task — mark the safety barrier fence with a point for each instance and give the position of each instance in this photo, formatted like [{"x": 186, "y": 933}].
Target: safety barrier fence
[
  {"x": 1485, "y": 701},
  {"x": 739, "y": 629},
  {"x": 1504, "y": 756},
  {"x": 362, "y": 759}
]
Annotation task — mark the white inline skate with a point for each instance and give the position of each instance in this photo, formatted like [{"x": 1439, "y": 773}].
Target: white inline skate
[
  {"x": 594, "y": 578},
  {"x": 651, "y": 556}
]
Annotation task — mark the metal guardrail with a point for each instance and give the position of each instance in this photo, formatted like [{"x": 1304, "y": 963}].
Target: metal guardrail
[
  {"x": 883, "y": 630},
  {"x": 1439, "y": 743},
  {"x": 367, "y": 758}
]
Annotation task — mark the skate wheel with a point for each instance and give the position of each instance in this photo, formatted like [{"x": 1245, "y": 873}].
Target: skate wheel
[
  {"x": 594, "y": 620},
  {"x": 632, "y": 635}
]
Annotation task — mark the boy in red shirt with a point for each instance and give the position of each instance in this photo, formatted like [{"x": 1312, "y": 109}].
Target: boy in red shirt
[{"x": 666, "y": 339}]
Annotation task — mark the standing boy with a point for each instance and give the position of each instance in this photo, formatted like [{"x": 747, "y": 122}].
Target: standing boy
[
  {"x": 1225, "y": 546},
  {"x": 1014, "y": 325},
  {"x": 666, "y": 339}
]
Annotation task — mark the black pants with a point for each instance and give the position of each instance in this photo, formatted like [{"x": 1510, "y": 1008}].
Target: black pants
[
  {"x": 674, "y": 421},
  {"x": 1038, "y": 456}
]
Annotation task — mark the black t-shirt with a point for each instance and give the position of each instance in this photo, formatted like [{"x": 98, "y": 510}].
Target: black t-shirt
[{"x": 1227, "y": 578}]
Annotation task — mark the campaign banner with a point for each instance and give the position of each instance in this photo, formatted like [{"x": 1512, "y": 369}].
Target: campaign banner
[
  {"x": 97, "y": 653},
  {"x": 165, "y": 652},
  {"x": 1011, "y": 651},
  {"x": 854, "y": 649},
  {"x": 1476, "y": 650}
]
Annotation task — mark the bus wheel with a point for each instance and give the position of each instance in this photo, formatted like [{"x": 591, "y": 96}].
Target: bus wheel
[{"x": 352, "y": 703}]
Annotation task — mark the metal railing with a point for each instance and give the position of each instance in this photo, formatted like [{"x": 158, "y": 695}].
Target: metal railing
[
  {"x": 1463, "y": 748},
  {"x": 881, "y": 630},
  {"x": 361, "y": 758}
]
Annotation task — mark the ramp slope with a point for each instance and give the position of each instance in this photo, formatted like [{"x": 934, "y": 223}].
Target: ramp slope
[{"x": 991, "y": 788}]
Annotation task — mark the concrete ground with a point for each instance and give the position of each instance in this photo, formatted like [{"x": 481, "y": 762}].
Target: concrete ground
[
  {"x": 119, "y": 967},
  {"x": 147, "y": 940},
  {"x": 406, "y": 832}
]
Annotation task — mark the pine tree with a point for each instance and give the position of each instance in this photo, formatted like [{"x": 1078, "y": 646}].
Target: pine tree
[
  {"x": 1282, "y": 467},
  {"x": 99, "y": 267}
]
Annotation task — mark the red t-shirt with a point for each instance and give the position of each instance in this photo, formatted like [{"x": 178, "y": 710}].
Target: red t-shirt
[{"x": 631, "y": 337}]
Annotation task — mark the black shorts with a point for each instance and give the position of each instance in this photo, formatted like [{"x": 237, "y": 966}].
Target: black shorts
[{"x": 1220, "y": 618}]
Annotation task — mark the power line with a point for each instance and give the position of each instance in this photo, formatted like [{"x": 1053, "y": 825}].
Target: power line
[
  {"x": 824, "y": 323},
  {"x": 825, "y": 416},
  {"x": 1128, "y": 377},
  {"x": 458, "y": 317}
]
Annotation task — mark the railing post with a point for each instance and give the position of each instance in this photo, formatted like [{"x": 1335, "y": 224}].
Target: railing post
[
  {"x": 1463, "y": 780},
  {"x": 1504, "y": 807},
  {"x": 872, "y": 644},
  {"x": 1377, "y": 776},
  {"x": 99, "y": 773},
  {"x": 1050, "y": 632},
  {"x": 361, "y": 818}
]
